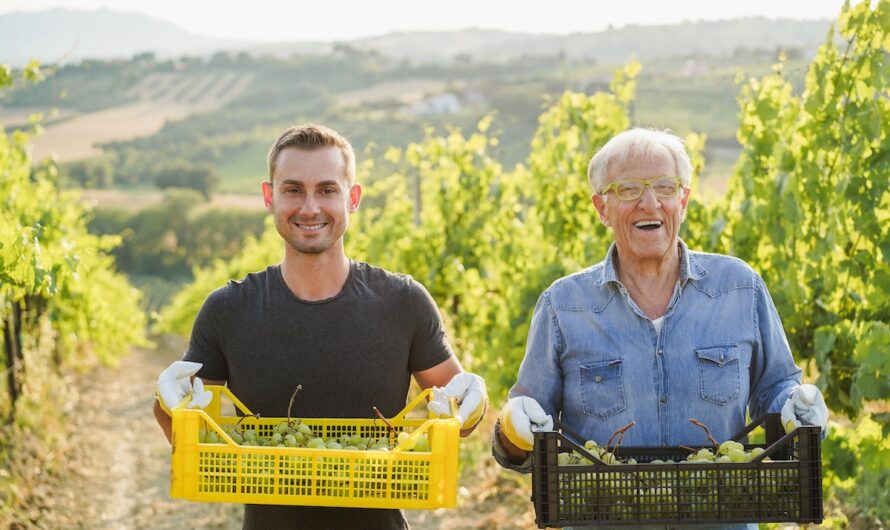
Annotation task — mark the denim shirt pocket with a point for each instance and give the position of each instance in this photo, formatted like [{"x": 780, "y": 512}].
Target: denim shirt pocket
[
  {"x": 602, "y": 394},
  {"x": 719, "y": 367}
]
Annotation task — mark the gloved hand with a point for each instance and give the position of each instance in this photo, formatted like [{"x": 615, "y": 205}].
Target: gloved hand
[
  {"x": 520, "y": 417},
  {"x": 174, "y": 384},
  {"x": 805, "y": 406},
  {"x": 472, "y": 398}
]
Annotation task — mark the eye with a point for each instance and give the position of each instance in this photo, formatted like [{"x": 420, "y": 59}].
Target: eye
[
  {"x": 628, "y": 189},
  {"x": 665, "y": 187}
]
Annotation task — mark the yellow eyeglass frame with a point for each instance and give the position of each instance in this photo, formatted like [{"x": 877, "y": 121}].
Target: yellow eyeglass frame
[{"x": 644, "y": 182}]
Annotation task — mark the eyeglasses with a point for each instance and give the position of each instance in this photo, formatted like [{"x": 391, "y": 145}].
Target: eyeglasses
[{"x": 632, "y": 189}]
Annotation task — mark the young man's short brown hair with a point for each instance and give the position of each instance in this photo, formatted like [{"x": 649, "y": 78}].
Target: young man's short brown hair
[{"x": 310, "y": 137}]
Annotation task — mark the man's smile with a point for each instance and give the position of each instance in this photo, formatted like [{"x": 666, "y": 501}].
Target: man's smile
[{"x": 651, "y": 224}]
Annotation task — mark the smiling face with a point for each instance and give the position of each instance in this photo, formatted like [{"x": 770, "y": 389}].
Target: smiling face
[
  {"x": 646, "y": 229},
  {"x": 310, "y": 199}
]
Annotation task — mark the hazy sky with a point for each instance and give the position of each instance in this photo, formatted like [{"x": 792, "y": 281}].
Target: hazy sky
[{"x": 275, "y": 20}]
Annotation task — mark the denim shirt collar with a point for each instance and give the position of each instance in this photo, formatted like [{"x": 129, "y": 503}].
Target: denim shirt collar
[{"x": 690, "y": 266}]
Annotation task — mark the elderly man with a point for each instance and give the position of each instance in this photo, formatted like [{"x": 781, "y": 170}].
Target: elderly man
[{"x": 656, "y": 333}]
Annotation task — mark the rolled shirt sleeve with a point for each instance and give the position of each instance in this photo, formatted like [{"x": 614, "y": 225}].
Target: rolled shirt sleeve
[{"x": 775, "y": 374}]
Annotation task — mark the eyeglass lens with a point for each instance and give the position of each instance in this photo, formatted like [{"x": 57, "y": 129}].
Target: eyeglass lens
[{"x": 632, "y": 189}]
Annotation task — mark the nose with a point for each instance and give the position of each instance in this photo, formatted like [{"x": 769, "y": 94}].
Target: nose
[
  {"x": 310, "y": 205},
  {"x": 648, "y": 200}
]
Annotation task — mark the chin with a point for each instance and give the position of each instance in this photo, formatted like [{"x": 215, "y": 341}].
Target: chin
[{"x": 650, "y": 250}]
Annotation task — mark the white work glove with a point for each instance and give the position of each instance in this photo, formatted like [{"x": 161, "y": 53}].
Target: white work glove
[
  {"x": 805, "y": 406},
  {"x": 520, "y": 417},
  {"x": 174, "y": 384},
  {"x": 472, "y": 398}
]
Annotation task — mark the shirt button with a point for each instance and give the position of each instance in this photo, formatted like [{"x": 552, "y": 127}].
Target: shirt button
[
  {"x": 598, "y": 379},
  {"x": 660, "y": 352},
  {"x": 664, "y": 399}
]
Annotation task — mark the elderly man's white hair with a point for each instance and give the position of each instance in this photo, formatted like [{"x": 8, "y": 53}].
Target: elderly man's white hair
[{"x": 639, "y": 143}]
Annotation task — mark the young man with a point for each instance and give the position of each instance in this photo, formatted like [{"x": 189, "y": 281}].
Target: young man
[{"x": 350, "y": 333}]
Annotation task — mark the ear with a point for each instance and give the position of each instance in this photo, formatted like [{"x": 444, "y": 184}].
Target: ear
[
  {"x": 684, "y": 201},
  {"x": 267, "y": 195},
  {"x": 600, "y": 203},
  {"x": 355, "y": 197}
]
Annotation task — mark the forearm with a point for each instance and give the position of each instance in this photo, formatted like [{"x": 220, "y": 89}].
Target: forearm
[
  {"x": 164, "y": 420},
  {"x": 776, "y": 373}
]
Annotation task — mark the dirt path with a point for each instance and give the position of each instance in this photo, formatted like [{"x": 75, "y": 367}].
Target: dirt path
[{"x": 117, "y": 475}]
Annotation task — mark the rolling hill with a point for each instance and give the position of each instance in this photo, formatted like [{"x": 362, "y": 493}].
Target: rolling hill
[{"x": 66, "y": 36}]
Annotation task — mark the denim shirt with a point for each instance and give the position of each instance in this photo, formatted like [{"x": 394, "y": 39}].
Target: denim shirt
[{"x": 594, "y": 359}]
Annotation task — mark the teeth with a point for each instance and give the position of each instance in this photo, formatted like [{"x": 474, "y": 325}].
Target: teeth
[
  {"x": 311, "y": 227},
  {"x": 642, "y": 224}
]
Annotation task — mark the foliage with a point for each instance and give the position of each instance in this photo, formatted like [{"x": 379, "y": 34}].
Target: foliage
[
  {"x": 810, "y": 202},
  {"x": 169, "y": 239},
  {"x": 97, "y": 172},
  {"x": 62, "y": 308},
  {"x": 860, "y": 467},
  {"x": 809, "y": 207},
  {"x": 52, "y": 270},
  {"x": 202, "y": 178}
]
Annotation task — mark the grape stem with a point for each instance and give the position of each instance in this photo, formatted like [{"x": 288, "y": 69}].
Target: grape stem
[
  {"x": 237, "y": 423},
  {"x": 392, "y": 429},
  {"x": 291, "y": 404},
  {"x": 707, "y": 431},
  {"x": 620, "y": 434}
]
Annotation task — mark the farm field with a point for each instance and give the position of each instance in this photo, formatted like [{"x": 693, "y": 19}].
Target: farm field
[
  {"x": 81, "y": 137},
  {"x": 405, "y": 90},
  {"x": 241, "y": 170},
  {"x": 158, "y": 98},
  {"x": 134, "y": 200},
  {"x": 17, "y": 117}
]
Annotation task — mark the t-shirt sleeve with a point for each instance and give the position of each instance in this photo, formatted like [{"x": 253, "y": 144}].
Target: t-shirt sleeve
[
  {"x": 205, "y": 344},
  {"x": 429, "y": 345}
]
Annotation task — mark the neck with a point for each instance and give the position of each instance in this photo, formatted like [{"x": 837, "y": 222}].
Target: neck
[
  {"x": 666, "y": 269},
  {"x": 314, "y": 277},
  {"x": 650, "y": 284}
]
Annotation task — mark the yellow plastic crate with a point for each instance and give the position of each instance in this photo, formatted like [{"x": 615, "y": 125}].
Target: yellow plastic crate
[{"x": 228, "y": 472}]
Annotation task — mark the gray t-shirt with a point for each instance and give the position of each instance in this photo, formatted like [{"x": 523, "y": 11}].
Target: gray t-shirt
[{"x": 350, "y": 352}]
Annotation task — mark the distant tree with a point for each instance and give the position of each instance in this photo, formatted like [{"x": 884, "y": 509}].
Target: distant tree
[
  {"x": 109, "y": 221},
  {"x": 463, "y": 58},
  {"x": 221, "y": 58},
  {"x": 144, "y": 59},
  {"x": 219, "y": 234},
  {"x": 202, "y": 178},
  {"x": 95, "y": 172},
  {"x": 151, "y": 239}
]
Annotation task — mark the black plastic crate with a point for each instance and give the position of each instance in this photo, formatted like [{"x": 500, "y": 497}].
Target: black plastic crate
[{"x": 786, "y": 489}]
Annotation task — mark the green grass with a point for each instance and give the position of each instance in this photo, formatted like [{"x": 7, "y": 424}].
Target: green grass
[{"x": 242, "y": 170}]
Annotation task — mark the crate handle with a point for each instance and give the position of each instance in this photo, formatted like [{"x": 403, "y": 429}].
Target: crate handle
[
  {"x": 412, "y": 438},
  {"x": 220, "y": 390},
  {"x": 572, "y": 438},
  {"x": 783, "y": 441},
  {"x": 760, "y": 420},
  {"x": 217, "y": 391},
  {"x": 421, "y": 398}
]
